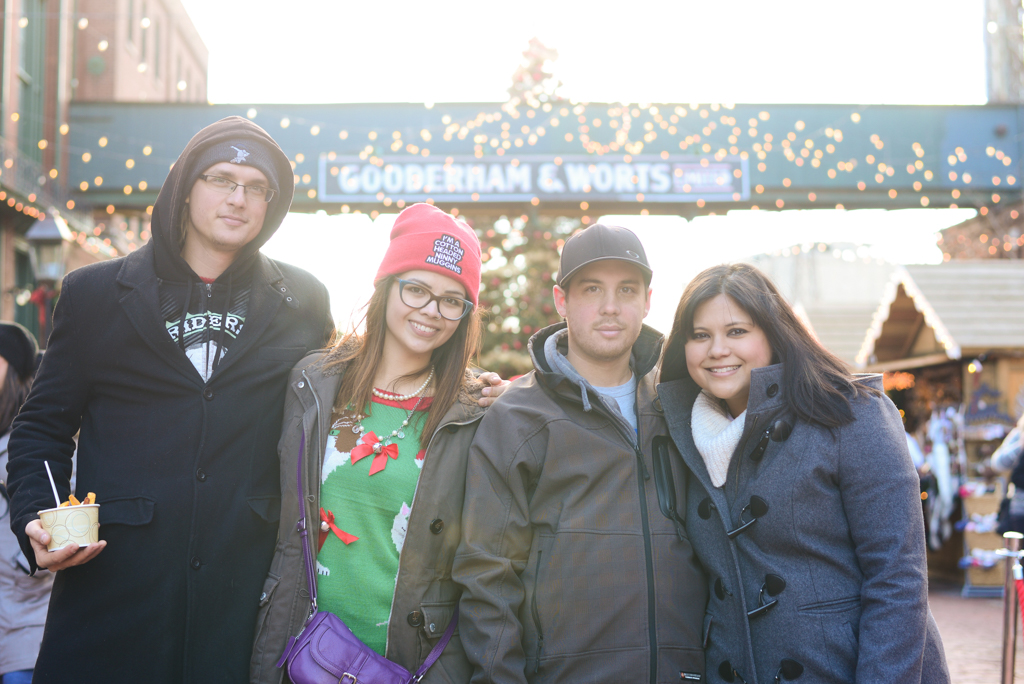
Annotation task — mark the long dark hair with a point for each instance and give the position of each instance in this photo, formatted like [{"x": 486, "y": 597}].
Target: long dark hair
[
  {"x": 818, "y": 386},
  {"x": 363, "y": 353},
  {"x": 13, "y": 393}
]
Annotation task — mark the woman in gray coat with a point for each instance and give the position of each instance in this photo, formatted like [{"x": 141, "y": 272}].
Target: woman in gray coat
[{"x": 803, "y": 503}]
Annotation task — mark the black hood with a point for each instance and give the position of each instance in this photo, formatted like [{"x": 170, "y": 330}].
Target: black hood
[{"x": 167, "y": 212}]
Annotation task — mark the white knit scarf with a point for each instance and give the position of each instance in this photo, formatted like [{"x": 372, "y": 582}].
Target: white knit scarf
[{"x": 716, "y": 435}]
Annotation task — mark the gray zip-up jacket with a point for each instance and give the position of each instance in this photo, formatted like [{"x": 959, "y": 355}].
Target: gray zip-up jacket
[{"x": 571, "y": 571}]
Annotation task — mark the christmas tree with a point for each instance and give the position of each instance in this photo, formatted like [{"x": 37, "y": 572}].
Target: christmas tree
[
  {"x": 520, "y": 254},
  {"x": 520, "y": 265},
  {"x": 534, "y": 82},
  {"x": 995, "y": 233}
]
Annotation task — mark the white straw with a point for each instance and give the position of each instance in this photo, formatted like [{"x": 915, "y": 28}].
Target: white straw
[{"x": 52, "y": 485}]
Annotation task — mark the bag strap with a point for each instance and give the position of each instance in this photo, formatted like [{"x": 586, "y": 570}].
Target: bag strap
[
  {"x": 304, "y": 533},
  {"x": 435, "y": 652},
  {"x": 307, "y": 556}
]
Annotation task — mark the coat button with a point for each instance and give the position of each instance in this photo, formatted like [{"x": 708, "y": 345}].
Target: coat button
[
  {"x": 208, "y": 394},
  {"x": 433, "y": 627},
  {"x": 657, "y": 405},
  {"x": 201, "y": 475},
  {"x": 720, "y": 591},
  {"x": 773, "y": 389},
  {"x": 452, "y": 428},
  {"x": 195, "y": 562},
  {"x": 436, "y": 525},
  {"x": 704, "y": 508},
  {"x": 781, "y": 431},
  {"x": 415, "y": 619},
  {"x": 790, "y": 669},
  {"x": 302, "y": 383}
]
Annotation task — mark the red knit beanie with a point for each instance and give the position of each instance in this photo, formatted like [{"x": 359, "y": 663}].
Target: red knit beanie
[{"x": 425, "y": 238}]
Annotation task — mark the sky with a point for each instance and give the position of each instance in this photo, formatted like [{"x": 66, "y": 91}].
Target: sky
[{"x": 736, "y": 51}]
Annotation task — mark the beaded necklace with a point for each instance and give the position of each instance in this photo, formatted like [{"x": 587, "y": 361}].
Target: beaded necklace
[{"x": 380, "y": 444}]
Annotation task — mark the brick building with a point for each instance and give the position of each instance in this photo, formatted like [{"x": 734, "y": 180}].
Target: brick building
[
  {"x": 56, "y": 51},
  {"x": 143, "y": 50}
]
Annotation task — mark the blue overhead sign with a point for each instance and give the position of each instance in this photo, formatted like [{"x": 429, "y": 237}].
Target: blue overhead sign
[
  {"x": 570, "y": 158},
  {"x": 654, "y": 178}
]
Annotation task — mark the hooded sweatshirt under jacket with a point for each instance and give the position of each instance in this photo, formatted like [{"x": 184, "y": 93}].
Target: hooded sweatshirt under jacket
[{"x": 204, "y": 318}]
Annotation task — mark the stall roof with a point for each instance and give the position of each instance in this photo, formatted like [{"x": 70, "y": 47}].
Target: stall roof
[{"x": 930, "y": 314}]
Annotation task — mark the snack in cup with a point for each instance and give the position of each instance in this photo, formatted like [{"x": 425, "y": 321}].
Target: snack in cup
[{"x": 72, "y": 521}]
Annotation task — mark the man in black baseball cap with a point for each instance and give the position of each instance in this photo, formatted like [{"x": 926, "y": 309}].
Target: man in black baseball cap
[
  {"x": 561, "y": 529},
  {"x": 598, "y": 243}
]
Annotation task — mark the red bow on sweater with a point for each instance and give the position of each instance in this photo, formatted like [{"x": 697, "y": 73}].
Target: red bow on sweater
[
  {"x": 328, "y": 517},
  {"x": 369, "y": 446}
]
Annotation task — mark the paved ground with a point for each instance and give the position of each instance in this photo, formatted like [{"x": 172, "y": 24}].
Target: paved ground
[{"x": 972, "y": 635}]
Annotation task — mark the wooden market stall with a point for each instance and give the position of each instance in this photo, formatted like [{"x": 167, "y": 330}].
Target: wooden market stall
[{"x": 953, "y": 337}]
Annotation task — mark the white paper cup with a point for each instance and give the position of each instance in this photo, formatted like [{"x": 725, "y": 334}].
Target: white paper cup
[{"x": 79, "y": 524}]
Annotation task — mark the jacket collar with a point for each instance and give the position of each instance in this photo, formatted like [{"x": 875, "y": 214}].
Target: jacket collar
[
  {"x": 644, "y": 357},
  {"x": 766, "y": 401},
  {"x": 767, "y": 393},
  {"x": 138, "y": 268},
  {"x": 142, "y": 306}
]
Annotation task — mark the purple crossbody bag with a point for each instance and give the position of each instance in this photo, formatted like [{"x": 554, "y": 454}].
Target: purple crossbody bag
[{"x": 327, "y": 652}]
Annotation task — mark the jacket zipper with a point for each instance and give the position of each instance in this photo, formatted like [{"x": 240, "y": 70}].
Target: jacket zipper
[
  {"x": 536, "y": 614},
  {"x": 644, "y": 475},
  {"x": 652, "y": 626},
  {"x": 651, "y": 622}
]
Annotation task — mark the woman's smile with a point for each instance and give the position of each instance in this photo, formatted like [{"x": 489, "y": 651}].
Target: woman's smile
[{"x": 723, "y": 348}]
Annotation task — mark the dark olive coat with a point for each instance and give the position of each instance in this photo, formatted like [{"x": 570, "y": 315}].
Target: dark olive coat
[{"x": 425, "y": 595}]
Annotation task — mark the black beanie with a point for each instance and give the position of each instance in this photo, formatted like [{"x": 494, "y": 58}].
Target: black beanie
[
  {"x": 19, "y": 347},
  {"x": 248, "y": 151}
]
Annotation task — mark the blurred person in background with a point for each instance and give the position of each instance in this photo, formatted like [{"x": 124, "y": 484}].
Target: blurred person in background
[
  {"x": 1006, "y": 459},
  {"x": 23, "y": 596}
]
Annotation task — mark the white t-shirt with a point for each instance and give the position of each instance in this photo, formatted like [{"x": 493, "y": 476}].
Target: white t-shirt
[{"x": 625, "y": 397}]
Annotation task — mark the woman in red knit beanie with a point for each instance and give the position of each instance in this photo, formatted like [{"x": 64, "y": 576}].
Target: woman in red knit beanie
[{"x": 388, "y": 416}]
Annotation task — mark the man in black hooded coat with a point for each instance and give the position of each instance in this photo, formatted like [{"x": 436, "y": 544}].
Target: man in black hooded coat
[{"x": 172, "y": 362}]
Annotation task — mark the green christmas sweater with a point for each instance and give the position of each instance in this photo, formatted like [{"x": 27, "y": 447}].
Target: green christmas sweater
[{"x": 366, "y": 498}]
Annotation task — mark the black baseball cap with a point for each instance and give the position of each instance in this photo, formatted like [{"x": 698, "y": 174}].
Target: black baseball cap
[{"x": 598, "y": 243}]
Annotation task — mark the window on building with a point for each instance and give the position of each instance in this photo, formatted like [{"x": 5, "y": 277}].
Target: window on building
[
  {"x": 27, "y": 314},
  {"x": 156, "y": 48},
  {"x": 131, "y": 21},
  {"x": 32, "y": 36},
  {"x": 143, "y": 39}
]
